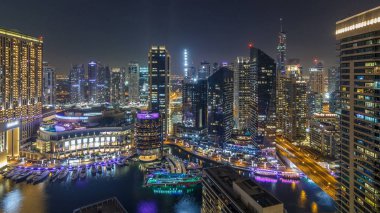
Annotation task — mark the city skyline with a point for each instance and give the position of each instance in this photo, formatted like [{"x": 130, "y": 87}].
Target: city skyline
[{"x": 122, "y": 32}]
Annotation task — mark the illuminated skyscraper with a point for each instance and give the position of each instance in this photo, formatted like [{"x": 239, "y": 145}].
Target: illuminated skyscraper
[
  {"x": 185, "y": 64},
  {"x": 204, "y": 70},
  {"x": 78, "y": 84},
  {"x": 20, "y": 90},
  {"x": 144, "y": 85},
  {"x": 133, "y": 82},
  {"x": 98, "y": 82},
  {"x": 264, "y": 89},
  {"x": 280, "y": 75},
  {"x": 159, "y": 84},
  {"x": 148, "y": 136},
  {"x": 220, "y": 106},
  {"x": 358, "y": 42},
  {"x": 194, "y": 104},
  {"x": 116, "y": 87},
  {"x": 48, "y": 85}
]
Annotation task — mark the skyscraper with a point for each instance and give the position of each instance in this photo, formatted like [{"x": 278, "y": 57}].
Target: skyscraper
[
  {"x": 280, "y": 77},
  {"x": 264, "y": 90},
  {"x": 148, "y": 136},
  {"x": 20, "y": 90},
  {"x": 133, "y": 82},
  {"x": 116, "y": 87},
  {"x": 144, "y": 85},
  {"x": 358, "y": 43},
  {"x": 92, "y": 72},
  {"x": 159, "y": 84},
  {"x": 219, "y": 105},
  {"x": 194, "y": 104},
  {"x": 48, "y": 85},
  {"x": 78, "y": 83},
  {"x": 244, "y": 79},
  {"x": 204, "y": 70},
  {"x": 318, "y": 86},
  {"x": 103, "y": 80}
]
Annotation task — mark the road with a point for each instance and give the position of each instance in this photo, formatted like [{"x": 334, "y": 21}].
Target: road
[{"x": 308, "y": 165}]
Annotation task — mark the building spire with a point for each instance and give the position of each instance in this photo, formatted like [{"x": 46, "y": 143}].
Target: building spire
[{"x": 281, "y": 29}]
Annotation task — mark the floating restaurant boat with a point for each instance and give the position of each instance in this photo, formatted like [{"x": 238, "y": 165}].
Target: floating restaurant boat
[
  {"x": 41, "y": 177},
  {"x": 265, "y": 172},
  {"x": 290, "y": 175},
  {"x": 173, "y": 179}
]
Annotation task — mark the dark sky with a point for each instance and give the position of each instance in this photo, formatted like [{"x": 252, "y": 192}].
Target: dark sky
[{"x": 118, "y": 31}]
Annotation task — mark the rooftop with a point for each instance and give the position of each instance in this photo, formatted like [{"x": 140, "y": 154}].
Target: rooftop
[{"x": 20, "y": 35}]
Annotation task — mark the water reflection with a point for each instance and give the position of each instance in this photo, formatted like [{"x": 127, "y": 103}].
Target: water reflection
[{"x": 302, "y": 199}]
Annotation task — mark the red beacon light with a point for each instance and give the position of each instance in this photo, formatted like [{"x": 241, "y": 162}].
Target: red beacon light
[{"x": 250, "y": 45}]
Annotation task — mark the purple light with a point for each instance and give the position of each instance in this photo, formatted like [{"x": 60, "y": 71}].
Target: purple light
[
  {"x": 147, "y": 206},
  {"x": 147, "y": 116}
]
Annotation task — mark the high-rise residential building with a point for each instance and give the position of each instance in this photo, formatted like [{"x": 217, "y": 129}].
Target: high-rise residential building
[
  {"x": 333, "y": 78},
  {"x": 194, "y": 104},
  {"x": 295, "y": 93},
  {"x": 159, "y": 84},
  {"x": 49, "y": 85},
  {"x": 317, "y": 78},
  {"x": 92, "y": 73},
  {"x": 204, "y": 70},
  {"x": 220, "y": 106},
  {"x": 133, "y": 82},
  {"x": 116, "y": 86},
  {"x": 63, "y": 89},
  {"x": 78, "y": 84},
  {"x": 358, "y": 44},
  {"x": 21, "y": 90},
  {"x": 144, "y": 85},
  {"x": 224, "y": 190},
  {"x": 264, "y": 90},
  {"x": 280, "y": 79},
  {"x": 185, "y": 64},
  {"x": 243, "y": 94},
  {"x": 148, "y": 136}
]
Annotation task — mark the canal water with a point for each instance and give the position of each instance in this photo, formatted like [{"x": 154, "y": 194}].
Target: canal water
[{"x": 126, "y": 184}]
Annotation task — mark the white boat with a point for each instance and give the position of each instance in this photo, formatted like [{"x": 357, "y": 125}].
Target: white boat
[
  {"x": 41, "y": 177},
  {"x": 63, "y": 174},
  {"x": 83, "y": 173},
  {"x": 75, "y": 175},
  {"x": 93, "y": 170},
  {"x": 23, "y": 177},
  {"x": 31, "y": 177},
  {"x": 100, "y": 170}
]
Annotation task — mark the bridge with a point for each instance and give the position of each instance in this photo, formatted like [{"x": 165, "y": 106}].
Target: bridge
[{"x": 308, "y": 166}]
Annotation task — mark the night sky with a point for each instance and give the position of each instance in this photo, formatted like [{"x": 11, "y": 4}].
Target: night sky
[{"x": 118, "y": 31}]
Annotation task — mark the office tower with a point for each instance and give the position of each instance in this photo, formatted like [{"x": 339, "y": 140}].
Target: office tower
[
  {"x": 116, "y": 87},
  {"x": 159, "y": 84},
  {"x": 358, "y": 41},
  {"x": 264, "y": 90},
  {"x": 244, "y": 79},
  {"x": 148, "y": 136},
  {"x": 133, "y": 82},
  {"x": 78, "y": 84},
  {"x": 49, "y": 85},
  {"x": 98, "y": 82},
  {"x": 20, "y": 90},
  {"x": 194, "y": 104},
  {"x": 204, "y": 70},
  {"x": 144, "y": 85},
  {"x": 63, "y": 89},
  {"x": 224, "y": 190},
  {"x": 219, "y": 104},
  {"x": 280, "y": 77}
]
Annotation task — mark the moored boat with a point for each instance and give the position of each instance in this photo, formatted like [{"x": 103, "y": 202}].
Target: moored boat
[
  {"x": 41, "y": 177},
  {"x": 83, "y": 173}
]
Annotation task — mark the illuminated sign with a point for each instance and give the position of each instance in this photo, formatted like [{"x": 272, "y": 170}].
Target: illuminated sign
[{"x": 12, "y": 124}]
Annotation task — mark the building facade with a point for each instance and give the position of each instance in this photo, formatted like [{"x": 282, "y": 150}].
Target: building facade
[
  {"x": 358, "y": 39},
  {"x": 220, "y": 106},
  {"x": 144, "y": 85},
  {"x": 116, "y": 86},
  {"x": 159, "y": 84},
  {"x": 21, "y": 90},
  {"x": 49, "y": 85}
]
